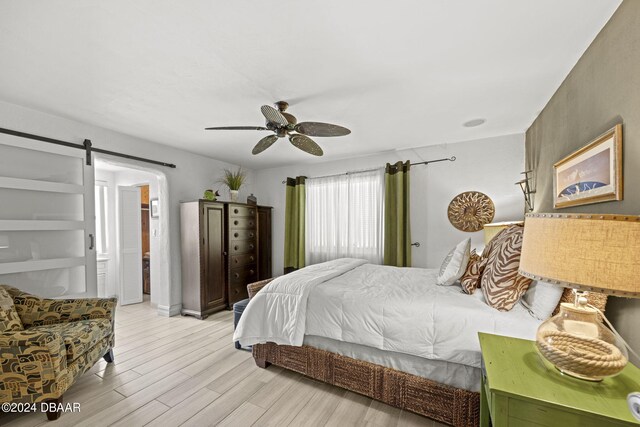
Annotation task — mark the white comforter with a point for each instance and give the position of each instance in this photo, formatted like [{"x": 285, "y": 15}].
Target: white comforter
[{"x": 389, "y": 308}]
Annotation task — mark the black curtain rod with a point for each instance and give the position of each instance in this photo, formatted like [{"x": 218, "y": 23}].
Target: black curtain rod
[
  {"x": 86, "y": 145},
  {"x": 426, "y": 162},
  {"x": 449, "y": 159}
]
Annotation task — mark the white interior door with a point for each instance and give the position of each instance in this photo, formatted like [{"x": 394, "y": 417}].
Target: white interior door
[
  {"x": 130, "y": 245},
  {"x": 47, "y": 220}
]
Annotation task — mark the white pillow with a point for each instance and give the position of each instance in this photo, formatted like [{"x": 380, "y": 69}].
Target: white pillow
[
  {"x": 541, "y": 299},
  {"x": 454, "y": 264}
]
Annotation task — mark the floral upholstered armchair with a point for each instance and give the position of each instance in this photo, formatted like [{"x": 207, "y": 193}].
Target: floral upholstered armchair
[{"x": 46, "y": 344}]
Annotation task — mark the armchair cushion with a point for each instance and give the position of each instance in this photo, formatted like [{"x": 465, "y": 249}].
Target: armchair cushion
[
  {"x": 9, "y": 319},
  {"x": 80, "y": 336},
  {"x": 36, "y": 311}
]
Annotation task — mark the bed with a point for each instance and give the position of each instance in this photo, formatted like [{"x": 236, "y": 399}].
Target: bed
[{"x": 386, "y": 332}]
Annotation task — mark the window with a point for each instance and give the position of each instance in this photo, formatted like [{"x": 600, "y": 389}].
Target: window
[
  {"x": 344, "y": 217},
  {"x": 101, "y": 218}
]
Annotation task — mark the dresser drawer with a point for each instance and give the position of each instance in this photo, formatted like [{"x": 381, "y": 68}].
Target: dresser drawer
[
  {"x": 242, "y": 246},
  {"x": 242, "y": 223},
  {"x": 244, "y": 275},
  {"x": 242, "y": 234},
  {"x": 242, "y": 260},
  {"x": 236, "y": 211},
  {"x": 237, "y": 292}
]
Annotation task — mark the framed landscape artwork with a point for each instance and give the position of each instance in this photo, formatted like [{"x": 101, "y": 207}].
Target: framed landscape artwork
[{"x": 593, "y": 174}]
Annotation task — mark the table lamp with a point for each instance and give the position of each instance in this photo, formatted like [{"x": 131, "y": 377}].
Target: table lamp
[{"x": 599, "y": 253}]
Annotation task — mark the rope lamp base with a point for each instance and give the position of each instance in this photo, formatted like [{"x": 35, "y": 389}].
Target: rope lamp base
[{"x": 577, "y": 343}]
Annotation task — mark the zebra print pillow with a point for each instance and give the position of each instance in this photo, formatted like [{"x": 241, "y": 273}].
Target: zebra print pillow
[
  {"x": 470, "y": 280},
  {"x": 502, "y": 286}
]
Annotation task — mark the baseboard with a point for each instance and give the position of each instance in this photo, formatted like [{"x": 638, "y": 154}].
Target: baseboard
[{"x": 169, "y": 311}]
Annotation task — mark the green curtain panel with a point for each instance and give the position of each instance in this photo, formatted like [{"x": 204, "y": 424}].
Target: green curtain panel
[
  {"x": 397, "y": 226},
  {"x": 294, "y": 225}
]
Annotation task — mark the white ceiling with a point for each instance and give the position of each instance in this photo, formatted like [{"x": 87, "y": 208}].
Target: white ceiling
[{"x": 399, "y": 74}]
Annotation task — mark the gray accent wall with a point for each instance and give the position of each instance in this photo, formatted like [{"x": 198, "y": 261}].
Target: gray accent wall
[{"x": 603, "y": 89}]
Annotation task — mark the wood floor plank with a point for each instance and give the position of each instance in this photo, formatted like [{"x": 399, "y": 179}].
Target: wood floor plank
[
  {"x": 245, "y": 415},
  {"x": 185, "y": 409},
  {"x": 220, "y": 366},
  {"x": 131, "y": 403},
  {"x": 350, "y": 411},
  {"x": 380, "y": 414},
  {"x": 409, "y": 419},
  {"x": 317, "y": 411},
  {"x": 267, "y": 396},
  {"x": 143, "y": 415},
  {"x": 227, "y": 403},
  {"x": 287, "y": 407}
]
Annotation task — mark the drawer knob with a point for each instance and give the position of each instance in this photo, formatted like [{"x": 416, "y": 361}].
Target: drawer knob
[
  {"x": 235, "y": 211},
  {"x": 236, "y": 291},
  {"x": 235, "y": 234},
  {"x": 235, "y": 260},
  {"x": 250, "y": 234},
  {"x": 251, "y": 272},
  {"x": 251, "y": 258},
  {"x": 235, "y": 247},
  {"x": 237, "y": 275},
  {"x": 235, "y": 222},
  {"x": 250, "y": 246},
  {"x": 250, "y": 223}
]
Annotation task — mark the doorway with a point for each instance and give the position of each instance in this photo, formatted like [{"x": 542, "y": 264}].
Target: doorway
[
  {"x": 146, "y": 241},
  {"x": 135, "y": 257}
]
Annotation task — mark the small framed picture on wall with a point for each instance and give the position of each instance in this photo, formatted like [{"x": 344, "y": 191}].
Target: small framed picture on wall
[
  {"x": 154, "y": 208},
  {"x": 593, "y": 174}
]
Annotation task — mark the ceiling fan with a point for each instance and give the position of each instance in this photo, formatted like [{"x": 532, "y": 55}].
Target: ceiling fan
[{"x": 284, "y": 124}]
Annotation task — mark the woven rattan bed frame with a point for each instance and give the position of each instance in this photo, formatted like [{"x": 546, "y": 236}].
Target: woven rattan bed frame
[
  {"x": 444, "y": 403},
  {"x": 441, "y": 402}
]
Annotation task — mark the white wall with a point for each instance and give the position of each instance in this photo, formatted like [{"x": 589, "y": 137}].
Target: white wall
[
  {"x": 194, "y": 174},
  {"x": 489, "y": 165}
]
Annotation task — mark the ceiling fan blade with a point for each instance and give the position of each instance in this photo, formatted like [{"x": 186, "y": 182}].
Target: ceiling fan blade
[
  {"x": 237, "y": 128},
  {"x": 321, "y": 129},
  {"x": 291, "y": 119},
  {"x": 273, "y": 116},
  {"x": 264, "y": 143},
  {"x": 306, "y": 144}
]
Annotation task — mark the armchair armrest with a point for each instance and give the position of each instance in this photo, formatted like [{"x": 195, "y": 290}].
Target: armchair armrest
[{"x": 253, "y": 288}]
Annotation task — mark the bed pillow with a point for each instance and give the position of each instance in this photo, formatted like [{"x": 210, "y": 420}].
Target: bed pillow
[
  {"x": 9, "y": 319},
  {"x": 541, "y": 299},
  {"x": 501, "y": 284},
  {"x": 454, "y": 264},
  {"x": 470, "y": 280}
]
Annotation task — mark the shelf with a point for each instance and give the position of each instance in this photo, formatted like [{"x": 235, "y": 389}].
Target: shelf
[
  {"x": 39, "y": 225},
  {"x": 41, "y": 264},
  {"x": 37, "y": 185}
]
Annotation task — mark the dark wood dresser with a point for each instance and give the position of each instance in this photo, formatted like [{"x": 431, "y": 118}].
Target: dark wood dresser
[{"x": 225, "y": 246}]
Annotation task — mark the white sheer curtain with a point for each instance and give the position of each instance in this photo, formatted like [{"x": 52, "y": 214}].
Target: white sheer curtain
[{"x": 344, "y": 217}]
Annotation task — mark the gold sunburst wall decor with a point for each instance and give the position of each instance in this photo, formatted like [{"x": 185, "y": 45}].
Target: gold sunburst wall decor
[{"x": 470, "y": 211}]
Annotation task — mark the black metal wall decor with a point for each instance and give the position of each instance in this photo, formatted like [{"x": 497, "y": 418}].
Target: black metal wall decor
[{"x": 525, "y": 186}]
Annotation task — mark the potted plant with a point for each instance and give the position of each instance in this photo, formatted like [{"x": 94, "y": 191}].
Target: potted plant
[{"x": 234, "y": 180}]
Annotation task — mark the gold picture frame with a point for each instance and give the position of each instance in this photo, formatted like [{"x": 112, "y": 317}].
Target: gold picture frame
[{"x": 593, "y": 174}]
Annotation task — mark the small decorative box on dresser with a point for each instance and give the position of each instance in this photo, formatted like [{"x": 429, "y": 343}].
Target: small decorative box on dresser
[
  {"x": 223, "y": 249},
  {"x": 520, "y": 389}
]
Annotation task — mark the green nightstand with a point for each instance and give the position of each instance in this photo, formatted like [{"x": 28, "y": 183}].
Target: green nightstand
[{"x": 519, "y": 388}]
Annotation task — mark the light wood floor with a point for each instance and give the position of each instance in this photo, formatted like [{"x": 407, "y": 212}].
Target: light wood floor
[{"x": 180, "y": 371}]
